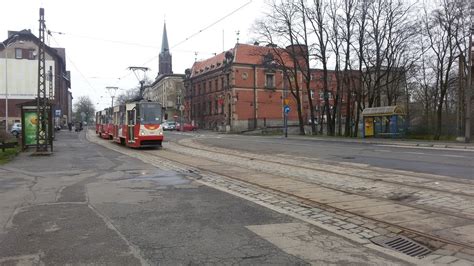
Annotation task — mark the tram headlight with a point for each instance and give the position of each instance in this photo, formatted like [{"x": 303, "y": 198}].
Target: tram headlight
[{"x": 142, "y": 132}]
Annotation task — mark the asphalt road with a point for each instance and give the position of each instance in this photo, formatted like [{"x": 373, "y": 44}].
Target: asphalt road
[
  {"x": 441, "y": 161},
  {"x": 86, "y": 204}
]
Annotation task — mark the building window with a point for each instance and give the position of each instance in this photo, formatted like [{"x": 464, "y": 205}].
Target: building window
[
  {"x": 31, "y": 54},
  {"x": 216, "y": 107},
  {"x": 18, "y": 53},
  {"x": 210, "y": 86},
  {"x": 321, "y": 95},
  {"x": 270, "y": 81},
  {"x": 311, "y": 92}
]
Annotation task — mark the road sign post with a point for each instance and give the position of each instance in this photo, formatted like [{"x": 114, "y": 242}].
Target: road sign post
[
  {"x": 286, "y": 110},
  {"x": 181, "y": 109}
]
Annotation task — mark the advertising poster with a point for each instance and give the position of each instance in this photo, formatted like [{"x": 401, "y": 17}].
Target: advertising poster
[{"x": 31, "y": 124}]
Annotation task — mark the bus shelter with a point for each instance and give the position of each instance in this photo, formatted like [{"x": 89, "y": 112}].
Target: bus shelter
[{"x": 383, "y": 122}]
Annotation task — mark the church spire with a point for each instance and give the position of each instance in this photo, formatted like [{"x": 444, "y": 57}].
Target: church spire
[
  {"x": 165, "y": 60},
  {"x": 164, "y": 42}
]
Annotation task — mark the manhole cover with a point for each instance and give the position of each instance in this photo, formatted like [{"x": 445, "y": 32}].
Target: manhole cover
[{"x": 403, "y": 245}]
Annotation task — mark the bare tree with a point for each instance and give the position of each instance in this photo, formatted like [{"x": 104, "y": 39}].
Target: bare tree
[
  {"x": 84, "y": 109},
  {"x": 360, "y": 90},
  {"x": 442, "y": 32},
  {"x": 347, "y": 31},
  {"x": 305, "y": 65},
  {"x": 317, "y": 16},
  {"x": 281, "y": 25},
  {"x": 335, "y": 41}
]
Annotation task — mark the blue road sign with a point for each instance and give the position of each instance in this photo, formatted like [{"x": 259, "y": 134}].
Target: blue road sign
[{"x": 286, "y": 109}]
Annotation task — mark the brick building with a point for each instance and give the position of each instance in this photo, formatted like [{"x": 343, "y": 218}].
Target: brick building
[
  {"x": 19, "y": 76},
  {"x": 242, "y": 89}
]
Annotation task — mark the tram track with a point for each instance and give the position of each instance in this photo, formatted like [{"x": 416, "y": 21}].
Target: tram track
[
  {"x": 305, "y": 200},
  {"x": 284, "y": 161},
  {"x": 410, "y": 232},
  {"x": 412, "y": 195}
]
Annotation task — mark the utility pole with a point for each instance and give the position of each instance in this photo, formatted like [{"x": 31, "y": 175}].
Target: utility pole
[
  {"x": 467, "y": 135},
  {"x": 42, "y": 134},
  {"x": 112, "y": 94},
  {"x": 141, "y": 79}
]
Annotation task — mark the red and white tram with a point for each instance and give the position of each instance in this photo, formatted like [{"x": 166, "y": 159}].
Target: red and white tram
[{"x": 135, "y": 124}]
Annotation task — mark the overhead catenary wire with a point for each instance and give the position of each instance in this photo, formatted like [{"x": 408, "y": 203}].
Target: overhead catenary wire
[
  {"x": 74, "y": 65},
  {"x": 212, "y": 24},
  {"x": 203, "y": 29},
  {"x": 50, "y": 33}
]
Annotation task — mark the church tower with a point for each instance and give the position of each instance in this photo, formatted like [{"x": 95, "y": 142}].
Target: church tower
[{"x": 165, "y": 65}]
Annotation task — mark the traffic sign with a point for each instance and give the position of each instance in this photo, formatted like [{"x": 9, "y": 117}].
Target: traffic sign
[
  {"x": 181, "y": 108},
  {"x": 286, "y": 109},
  {"x": 286, "y": 101}
]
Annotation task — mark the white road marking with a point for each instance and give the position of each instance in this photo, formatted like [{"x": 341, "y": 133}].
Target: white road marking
[
  {"x": 426, "y": 148},
  {"x": 417, "y": 153},
  {"x": 451, "y": 155}
]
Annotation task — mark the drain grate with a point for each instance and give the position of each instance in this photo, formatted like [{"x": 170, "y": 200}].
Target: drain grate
[{"x": 403, "y": 245}]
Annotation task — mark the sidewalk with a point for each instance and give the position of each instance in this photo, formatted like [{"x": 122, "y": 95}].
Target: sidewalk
[{"x": 394, "y": 142}]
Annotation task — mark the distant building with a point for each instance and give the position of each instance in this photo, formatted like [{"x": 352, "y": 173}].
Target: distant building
[
  {"x": 19, "y": 76},
  {"x": 167, "y": 88}
]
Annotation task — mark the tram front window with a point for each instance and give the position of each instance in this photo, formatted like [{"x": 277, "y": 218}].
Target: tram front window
[{"x": 150, "y": 113}]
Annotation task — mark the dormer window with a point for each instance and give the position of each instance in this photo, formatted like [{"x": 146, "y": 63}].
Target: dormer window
[{"x": 18, "y": 53}]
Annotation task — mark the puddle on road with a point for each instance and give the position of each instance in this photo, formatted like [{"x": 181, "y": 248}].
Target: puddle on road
[{"x": 161, "y": 178}]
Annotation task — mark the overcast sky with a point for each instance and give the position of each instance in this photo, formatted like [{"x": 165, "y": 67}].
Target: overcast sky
[{"x": 104, "y": 37}]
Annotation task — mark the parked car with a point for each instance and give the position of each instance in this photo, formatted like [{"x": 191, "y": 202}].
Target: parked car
[
  {"x": 186, "y": 127},
  {"x": 169, "y": 125},
  {"x": 16, "y": 129}
]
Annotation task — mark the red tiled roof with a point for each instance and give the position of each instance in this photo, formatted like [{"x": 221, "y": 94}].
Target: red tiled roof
[
  {"x": 243, "y": 54},
  {"x": 253, "y": 54},
  {"x": 208, "y": 64}
]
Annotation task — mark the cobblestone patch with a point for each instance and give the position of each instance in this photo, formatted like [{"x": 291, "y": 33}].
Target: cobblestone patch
[{"x": 421, "y": 190}]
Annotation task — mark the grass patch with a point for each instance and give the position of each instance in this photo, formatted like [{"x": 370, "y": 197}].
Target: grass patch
[
  {"x": 8, "y": 154},
  {"x": 431, "y": 137}
]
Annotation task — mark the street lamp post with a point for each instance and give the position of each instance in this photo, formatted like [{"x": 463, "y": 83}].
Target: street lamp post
[
  {"x": 6, "y": 80},
  {"x": 112, "y": 91}
]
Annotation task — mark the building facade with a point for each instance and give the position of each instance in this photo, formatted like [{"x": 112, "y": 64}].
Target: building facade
[
  {"x": 244, "y": 89},
  {"x": 167, "y": 90},
  {"x": 19, "y": 76}
]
